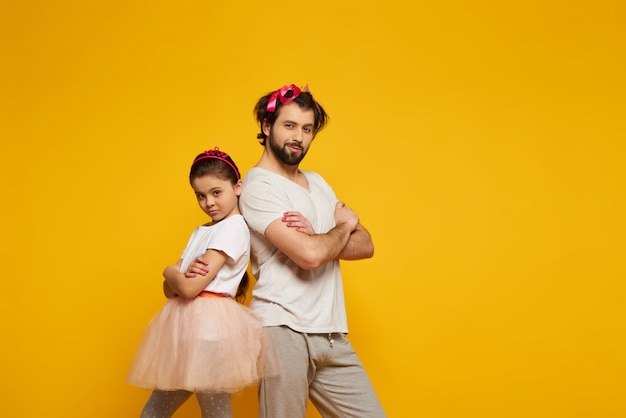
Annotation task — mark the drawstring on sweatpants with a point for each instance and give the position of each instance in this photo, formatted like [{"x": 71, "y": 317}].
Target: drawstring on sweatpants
[{"x": 330, "y": 340}]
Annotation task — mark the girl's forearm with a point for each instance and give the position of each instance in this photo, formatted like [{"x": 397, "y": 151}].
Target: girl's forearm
[
  {"x": 167, "y": 290},
  {"x": 182, "y": 285},
  {"x": 174, "y": 278}
]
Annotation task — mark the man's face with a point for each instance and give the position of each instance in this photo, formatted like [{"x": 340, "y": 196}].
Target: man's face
[{"x": 292, "y": 133}]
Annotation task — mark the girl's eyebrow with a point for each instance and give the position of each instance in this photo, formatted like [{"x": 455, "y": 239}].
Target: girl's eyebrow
[{"x": 212, "y": 189}]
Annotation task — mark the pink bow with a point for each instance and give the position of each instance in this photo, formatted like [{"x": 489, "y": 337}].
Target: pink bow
[{"x": 280, "y": 95}]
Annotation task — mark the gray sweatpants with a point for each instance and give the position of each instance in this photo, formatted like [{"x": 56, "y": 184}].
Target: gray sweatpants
[{"x": 320, "y": 366}]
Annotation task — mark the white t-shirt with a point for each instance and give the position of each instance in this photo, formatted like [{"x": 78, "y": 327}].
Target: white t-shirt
[
  {"x": 232, "y": 237},
  {"x": 309, "y": 301}
]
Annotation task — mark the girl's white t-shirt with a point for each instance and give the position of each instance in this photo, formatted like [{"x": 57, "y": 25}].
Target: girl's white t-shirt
[{"x": 232, "y": 237}]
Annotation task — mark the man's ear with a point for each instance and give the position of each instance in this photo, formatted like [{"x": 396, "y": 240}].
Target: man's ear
[{"x": 266, "y": 127}]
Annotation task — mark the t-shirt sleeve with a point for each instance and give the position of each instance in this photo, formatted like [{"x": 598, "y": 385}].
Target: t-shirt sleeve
[
  {"x": 261, "y": 204},
  {"x": 188, "y": 246},
  {"x": 232, "y": 238}
]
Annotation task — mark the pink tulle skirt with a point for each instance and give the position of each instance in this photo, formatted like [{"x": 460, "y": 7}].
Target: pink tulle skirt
[{"x": 206, "y": 344}]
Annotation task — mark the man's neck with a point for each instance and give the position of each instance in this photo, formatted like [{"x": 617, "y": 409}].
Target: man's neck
[{"x": 271, "y": 163}]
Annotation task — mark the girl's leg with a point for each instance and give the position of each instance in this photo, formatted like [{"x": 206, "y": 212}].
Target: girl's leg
[
  {"x": 215, "y": 405},
  {"x": 163, "y": 404}
]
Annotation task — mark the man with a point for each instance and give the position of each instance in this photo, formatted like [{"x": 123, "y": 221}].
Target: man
[{"x": 299, "y": 232}]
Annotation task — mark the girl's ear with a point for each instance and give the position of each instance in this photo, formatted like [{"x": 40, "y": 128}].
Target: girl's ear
[{"x": 239, "y": 187}]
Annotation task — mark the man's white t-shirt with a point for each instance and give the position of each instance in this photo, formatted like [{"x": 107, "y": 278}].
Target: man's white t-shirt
[{"x": 310, "y": 301}]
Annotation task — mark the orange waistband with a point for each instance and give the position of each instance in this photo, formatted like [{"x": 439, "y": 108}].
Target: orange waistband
[{"x": 207, "y": 294}]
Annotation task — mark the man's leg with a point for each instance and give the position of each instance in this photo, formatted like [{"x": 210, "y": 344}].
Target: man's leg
[
  {"x": 286, "y": 395},
  {"x": 341, "y": 387}
]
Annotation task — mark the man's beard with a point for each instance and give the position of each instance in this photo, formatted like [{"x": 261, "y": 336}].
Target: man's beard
[{"x": 284, "y": 154}]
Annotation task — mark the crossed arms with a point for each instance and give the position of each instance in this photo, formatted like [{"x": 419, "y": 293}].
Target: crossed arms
[
  {"x": 348, "y": 240},
  {"x": 190, "y": 283},
  {"x": 294, "y": 236}
]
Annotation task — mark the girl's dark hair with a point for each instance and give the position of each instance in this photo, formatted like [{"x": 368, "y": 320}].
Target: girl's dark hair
[
  {"x": 304, "y": 100},
  {"x": 243, "y": 288},
  {"x": 221, "y": 165},
  {"x": 215, "y": 163}
]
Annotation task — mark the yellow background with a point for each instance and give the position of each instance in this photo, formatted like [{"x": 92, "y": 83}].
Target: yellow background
[{"x": 481, "y": 143}]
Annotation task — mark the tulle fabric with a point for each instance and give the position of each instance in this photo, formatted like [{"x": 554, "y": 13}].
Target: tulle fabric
[{"x": 206, "y": 344}]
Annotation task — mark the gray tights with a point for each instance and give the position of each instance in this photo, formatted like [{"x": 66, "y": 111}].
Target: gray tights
[{"x": 163, "y": 404}]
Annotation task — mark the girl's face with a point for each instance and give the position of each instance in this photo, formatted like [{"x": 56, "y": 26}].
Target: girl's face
[{"x": 217, "y": 198}]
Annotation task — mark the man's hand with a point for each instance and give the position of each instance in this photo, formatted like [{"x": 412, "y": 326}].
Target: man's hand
[{"x": 343, "y": 214}]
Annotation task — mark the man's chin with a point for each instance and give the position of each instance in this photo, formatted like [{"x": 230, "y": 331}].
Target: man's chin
[{"x": 294, "y": 159}]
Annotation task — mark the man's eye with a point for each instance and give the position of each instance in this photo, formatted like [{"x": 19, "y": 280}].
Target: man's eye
[{"x": 307, "y": 130}]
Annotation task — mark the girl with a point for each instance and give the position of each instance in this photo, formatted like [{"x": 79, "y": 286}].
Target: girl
[{"x": 202, "y": 341}]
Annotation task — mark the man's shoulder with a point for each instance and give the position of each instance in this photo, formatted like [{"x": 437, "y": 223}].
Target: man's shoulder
[
  {"x": 258, "y": 174},
  {"x": 310, "y": 173},
  {"x": 314, "y": 176},
  {"x": 259, "y": 183}
]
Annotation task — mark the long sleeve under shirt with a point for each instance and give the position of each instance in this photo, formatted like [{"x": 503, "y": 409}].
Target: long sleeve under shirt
[{"x": 310, "y": 301}]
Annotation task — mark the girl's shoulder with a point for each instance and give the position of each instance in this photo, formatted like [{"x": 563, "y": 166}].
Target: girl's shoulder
[
  {"x": 224, "y": 223},
  {"x": 233, "y": 221}
]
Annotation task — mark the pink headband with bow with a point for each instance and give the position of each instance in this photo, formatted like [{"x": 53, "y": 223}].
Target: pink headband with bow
[
  {"x": 281, "y": 94},
  {"x": 218, "y": 155}
]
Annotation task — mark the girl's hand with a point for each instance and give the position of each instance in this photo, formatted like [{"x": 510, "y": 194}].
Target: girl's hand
[
  {"x": 199, "y": 266},
  {"x": 299, "y": 222}
]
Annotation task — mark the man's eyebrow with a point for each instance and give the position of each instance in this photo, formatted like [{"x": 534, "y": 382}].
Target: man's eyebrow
[{"x": 296, "y": 123}]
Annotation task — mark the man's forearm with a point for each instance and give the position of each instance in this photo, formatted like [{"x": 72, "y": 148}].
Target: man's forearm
[
  {"x": 359, "y": 245},
  {"x": 322, "y": 248}
]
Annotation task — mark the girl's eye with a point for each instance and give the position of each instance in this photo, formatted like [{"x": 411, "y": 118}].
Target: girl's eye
[{"x": 200, "y": 196}]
